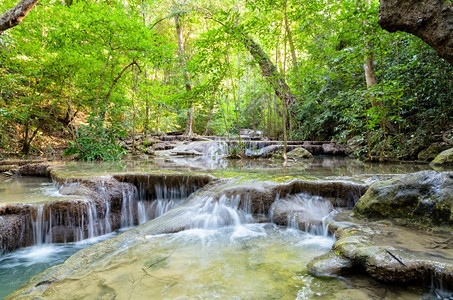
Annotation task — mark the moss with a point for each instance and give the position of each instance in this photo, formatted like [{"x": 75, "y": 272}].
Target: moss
[{"x": 444, "y": 158}]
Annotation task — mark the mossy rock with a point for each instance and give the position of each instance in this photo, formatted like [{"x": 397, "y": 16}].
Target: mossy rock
[
  {"x": 444, "y": 158},
  {"x": 299, "y": 153},
  {"x": 432, "y": 151},
  {"x": 423, "y": 198},
  {"x": 389, "y": 253}
]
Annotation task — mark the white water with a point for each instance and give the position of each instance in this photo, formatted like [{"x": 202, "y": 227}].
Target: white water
[
  {"x": 214, "y": 214},
  {"x": 306, "y": 212},
  {"x": 91, "y": 220},
  {"x": 222, "y": 250}
]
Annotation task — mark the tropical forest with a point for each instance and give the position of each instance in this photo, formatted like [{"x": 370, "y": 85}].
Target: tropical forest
[{"x": 235, "y": 149}]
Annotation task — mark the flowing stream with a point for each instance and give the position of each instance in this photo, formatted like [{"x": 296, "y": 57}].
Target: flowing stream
[{"x": 225, "y": 251}]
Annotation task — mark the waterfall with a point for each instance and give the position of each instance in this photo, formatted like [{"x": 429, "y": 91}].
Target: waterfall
[
  {"x": 127, "y": 208},
  {"x": 304, "y": 212},
  {"x": 226, "y": 211},
  {"x": 39, "y": 227}
]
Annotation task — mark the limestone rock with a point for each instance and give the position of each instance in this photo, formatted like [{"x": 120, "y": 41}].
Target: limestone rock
[
  {"x": 444, "y": 158},
  {"x": 149, "y": 151},
  {"x": 423, "y": 198},
  {"x": 430, "y": 20},
  {"x": 389, "y": 254},
  {"x": 149, "y": 142},
  {"x": 41, "y": 170},
  {"x": 432, "y": 151},
  {"x": 330, "y": 264},
  {"x": 299, "y": 153},
  {"x": 333, "y": 149},
  {"x": 164, "y": 146}
]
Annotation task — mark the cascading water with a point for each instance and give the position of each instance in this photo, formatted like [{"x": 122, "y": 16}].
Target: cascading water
[
  {"x": 226, "y": 211},
  {"x": 303, "y": 211},
  {"x": 222, "y": 247},
  {"x": 87, "y": 218}
]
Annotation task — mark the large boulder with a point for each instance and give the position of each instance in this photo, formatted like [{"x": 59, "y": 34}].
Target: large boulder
[
  {"x": 299, "y": 153},
  {"x": 430, "y": 20},
  {"x": 423, "y": 199},
  {"x": 444, "y": 158}
]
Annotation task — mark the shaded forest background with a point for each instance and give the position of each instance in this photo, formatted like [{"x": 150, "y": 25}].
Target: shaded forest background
[{"x": 86, "y": 74}]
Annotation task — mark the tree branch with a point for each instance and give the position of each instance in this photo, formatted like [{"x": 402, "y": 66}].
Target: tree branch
[
  {"x": 15, "y": 15},
  {"x": 107, "y": 97}
]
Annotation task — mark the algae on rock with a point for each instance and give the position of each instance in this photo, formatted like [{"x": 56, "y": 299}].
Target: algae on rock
[
  {"x": 424, "y": 199},
  {"x": 444, "y": 158}
]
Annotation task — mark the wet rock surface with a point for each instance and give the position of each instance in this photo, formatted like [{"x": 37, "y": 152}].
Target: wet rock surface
[
  {"x": 422, "y": 199},
  {"x": 390, "y": 253},
  {"x": 180, "y": 145},
  {"x": 97, "y": 208},
  {"x": 40, "y": 170}
]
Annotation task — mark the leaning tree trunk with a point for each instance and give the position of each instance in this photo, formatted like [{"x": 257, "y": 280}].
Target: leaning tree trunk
[
  {"x": 268, "y": 69},
  {"x": 430, "y": 20},
  {"x": 15, "y": 15}
]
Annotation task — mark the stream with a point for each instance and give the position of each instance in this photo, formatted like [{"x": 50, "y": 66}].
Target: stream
[{"x": 226, "y": 251}]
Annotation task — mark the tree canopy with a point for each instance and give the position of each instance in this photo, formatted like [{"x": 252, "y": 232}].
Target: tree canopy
[{"x": 93, "y": 72}]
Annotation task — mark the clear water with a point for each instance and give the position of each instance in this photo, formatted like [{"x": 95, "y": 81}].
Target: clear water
[
  {"x": 29, "y": 190},
  {"x": 252, "y": 261},
  {"x": 19, "y": 266},
  {"x": 320, "y": 168}
]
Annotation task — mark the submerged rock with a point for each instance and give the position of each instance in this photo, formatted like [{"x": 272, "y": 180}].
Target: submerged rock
[
  {"x": 330, "y": 264},
  {"x": 444, "y": 158},
  {"x": 299, "y": 153},
  {"x": 423, "y": 199}
]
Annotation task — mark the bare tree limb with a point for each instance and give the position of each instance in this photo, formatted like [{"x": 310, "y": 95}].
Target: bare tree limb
[
  {"x": 107, "y": 97},
  {"x": 15, "y": 15}
]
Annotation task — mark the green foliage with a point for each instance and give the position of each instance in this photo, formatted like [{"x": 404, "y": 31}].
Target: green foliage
[
  {"x": 70, "y": 58},
  {"x": 96, "y": 141}
]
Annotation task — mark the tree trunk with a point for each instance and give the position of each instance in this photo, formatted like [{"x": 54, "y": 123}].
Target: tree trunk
[
  {"x": 238, "y": 99},
  {"x": 189, "y": 122},
  {"x": 268, "y": 69},
  {"x": 290, "y": 37},
  {"x": 15, "y": 15},
  {"x": 28, "y": 139},
  {"x": 275, "y": 117},
  {"x": 269, "y": 112},
  {"x": 208, "y": 123},
  {"x": 270, "y": 72},
  {"x": 147, "y": 109},
  {"x": 285, "y": 136},
  {"x": 430, "y": 20},
  {"x": 370, "y": 75}
]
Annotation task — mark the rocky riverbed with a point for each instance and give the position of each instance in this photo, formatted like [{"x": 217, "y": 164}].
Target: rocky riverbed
[{"x": 400, "y": 231}]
